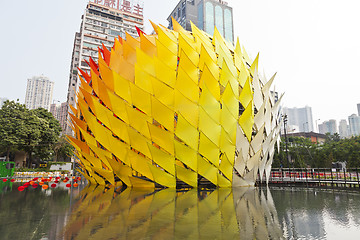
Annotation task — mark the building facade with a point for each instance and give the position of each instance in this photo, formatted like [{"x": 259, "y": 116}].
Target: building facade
[
  {"x": 358, "y": 108},
  {"x": 328, "y": 127},
  {"x": 59, "y": 111},
  {"x": 102, "y": 22},
  {"x": 354, "y": 125},
  {"x": 205, "y": 14},
  {"x": 300, "y": 118},
  {"x": 39, "y": 92},
  {"x": 343, "y": 128}
]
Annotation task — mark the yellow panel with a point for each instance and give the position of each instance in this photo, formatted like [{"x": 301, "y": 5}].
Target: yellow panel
[
  {"x": 88, "y": 138},
  {"x": 139, "y": 121},
  {"x": 122, "y": 87},
  {"x": 163, "y": 159},
  {"x": 162, "y": 137},
  {"x": 207, "y": 170},
  {"x": 200, "y": 36},
  {"x": 223, "y": 182},
  {"x": 254, "y": 65},
  {"x": 229, "y": 99},
  {"x": 209, "y": 103},
  {"x": 118, "y": 106},
  {"x": 143, "y": 79},
  {"x": 139, "y": 142},
  {"x": 186, "y": 155},
  {"x": 218, "y": 40},
  {"x": 140, "y": 164},
  {"x": 168, "y": 40},
  {"x": 164, "y": 93},
  {"x": 209, "y": 127},
  {"x": 89, "y": 99},
  {"x": 187, "y": 86},
  {"x": 108, "y": 175},
  {"x": 226, "y": 58},
  {"x": 119, "y": 128},
  {"x": 139, "y": 183},
  {"x": 226, "y": 146},
  {"x": 85, "y": 85},
  {"x": 98, "y": 179},
  {"x": 129, "y": 53},
  {"x": 133, "y": 42},
  {"x": 162, "y": 114},
  {"x": 226, "y": 167},
  {"x": 206, "y": 59},
  {"x": 188, "y": 50},
  {"x": 96, "y": 162},
  {"x": 162, "y": 177},
  {"x": 187, "y": 108},
  {"x": 243, "y": 75},
  {"x": 208, "y": 149},
  {"x": 227, "y": 76},
  {"x": 124, "y": 174},
  {"x": 186, "y": 64},
  {"x": 168, "y": 57},
  {"x": 145, "y": 62},
  {"x": 120, "y": 150},
  {"x": 147, "y": 45},
  {"x": 78, "y": 122},
  {"x": 211, "y": 82},
  {"x": 141, "y": 99},
  {"x": 94, "y": 81},
  {"x": 228, "y": 122},
  {"x": 246, "y": 121},
  {"x": 246, "y": 95},
  {"x": 106, "y": 74},
  {"x": 79, "y": 145},
  {"x": 120, "y": 65},
  {"x": 176, "y": 26},
  {"x": 186, "y": 176},
  {"x": 103, "y": 94},
  {"x": 187, "y": 133},
  {"x": 164, "y": 73}
]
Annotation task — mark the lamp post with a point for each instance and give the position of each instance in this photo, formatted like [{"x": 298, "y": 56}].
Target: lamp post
[{"x": 286, "y": 142}]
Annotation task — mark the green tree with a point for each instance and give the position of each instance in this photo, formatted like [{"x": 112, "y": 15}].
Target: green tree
[{"x": 62, "y": 149}]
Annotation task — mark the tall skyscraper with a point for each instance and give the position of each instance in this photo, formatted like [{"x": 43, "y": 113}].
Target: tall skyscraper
[
  {"x": 39, "y": 92},
  {"x": 205, "y": 14},
  {"x": 343, "y": 129},
  {"x": 300, "y": 117},
  {"x": 59, "y": 111},
  {"x": 354, "y": 124},
  {"x": 102, "y": 22},
  {"x": 328, "y": 127},
  {"x": 358, "y": 108}
]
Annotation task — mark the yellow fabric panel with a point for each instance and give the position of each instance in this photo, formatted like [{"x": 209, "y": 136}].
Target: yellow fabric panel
[
  {"x": 98, "y": 179},
  {"x": 139, "y": 142},
  {"x": 106, "y": 74},
  {"x": 139, "y": 183},
  {"x": 207, "y": 170},
  {"x": 226, "y": 167},
  {"x": 254, "y": 65},
  {"x": 118, "y": 106},
  {"x": 246, "y": 95},
  {"x": 120, "y": 65},
  {"x": 78, "y": 122},
  {"x": 79, "y": 145},
  {"x": 94, "y": 81},
  {"x": 162, "y": 114},
  {"x": 93, "y": 160},
  {"x": 143, "y": 79},
  {"x": 187, "y": 108},
  {"x": 226, "y": 58},
  {"x": 141, "y": 99},
  {"x": 223, "y": 182},
  {"x": 140, "y": 164},
  {"x": 133, "y": 42},
  {"x": 243, "y": 75},
  {"x": 164, "y": 73},
  {"x": 208, "y": 149},
  {"x": 147, "y": 45},
  {"x": 145, "y": 62},
  {"x": 162, "y": 137},
  {"x": 108, "y": 175},
  {"x": 226, "y": 146},
  {"x": 129, "y": 53},
  {"x": 246, "y": 120},
  {"x": 122, "y": 87},
  {"x": 124, "y": 173},
  {"x": 101, "y": 113},
  {"x": 186, "y": 176},
  {"x": 89, "y": 99},
  {"x": 168, "y": 40},
  {"x": 162, "y": 177},
  {"x": 246, "y": 56},
  {"x": 176, "y": 26},
  {"x": 117, "y": 46},
  {"x": 120, "y": 150},
  {"x": 118, "y": 127},
  {"x": 186, "y": 64},
  {"x": 73, "y": 110},
  {"x": 188, "y": 50},
  {"x": 103, "y": 155},
  {"x": 211, "y": 82},
  {"x": 163, "y": 159},
  {"x": 227, "y": 76},
  {"x": 230, "y": 101},
  {"x": 168, "y": 57},
  {"x": 209, "y": 127},
  {"x": 187, "y": 86},
  {"x": 218, "y": 40},
  {"x": 88, "y": 138},
  {"x": 103, "y": 94},
  {"x": 187, "y": 133},
  {"x": 200, "y": 36},
  {"x": 228, "y": 122},
  {"x": 139, "y": 121},
  {"x": 155, "y": 27},
  {"x": 209, "y": 103},
  {"x": 208, "y": 57},
  {"x": 186, "y": 155},
  {"x": 85, "y": 85},
  {"x": 164, "y": 93}
]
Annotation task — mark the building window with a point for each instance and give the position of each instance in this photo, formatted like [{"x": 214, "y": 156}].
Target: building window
[
  {"x": 219, "y": 19},
  {"x": 209, "y": 18},
  {"x": 201, "y": 16},
  {"x": 228, "y": 25}
]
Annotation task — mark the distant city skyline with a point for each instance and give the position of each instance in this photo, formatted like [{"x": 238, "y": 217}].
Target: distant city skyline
[{"x": 307, "y": 67}]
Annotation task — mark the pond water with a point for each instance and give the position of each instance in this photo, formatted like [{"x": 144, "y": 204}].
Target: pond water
[{"x": 89, "y": 212}]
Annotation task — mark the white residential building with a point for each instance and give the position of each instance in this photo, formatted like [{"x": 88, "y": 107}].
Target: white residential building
[{"x": 39, "y": 92}]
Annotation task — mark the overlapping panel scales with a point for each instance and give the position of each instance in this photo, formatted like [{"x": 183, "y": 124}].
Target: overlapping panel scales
[{"x": 174, "y": 108}]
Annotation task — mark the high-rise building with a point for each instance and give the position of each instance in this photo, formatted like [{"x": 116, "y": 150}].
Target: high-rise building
[
  {"x": 205, "y": 14},
  {"x": 328, "y": 127},
  {"x": 343, "y": 129},
  {"x": 354, "y": 125},
  {"x": 39, "y": 92},
  {"x": 59, "y": 111},
  {"x": 300, "y": 117},
  {"x": 2, "y": 100},
  {"x": 102, "y": 22},
  {"x": 358, "y": 108}
]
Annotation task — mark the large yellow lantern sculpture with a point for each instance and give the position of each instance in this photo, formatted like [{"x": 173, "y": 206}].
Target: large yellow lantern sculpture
[{"x": 174, "y": 108}]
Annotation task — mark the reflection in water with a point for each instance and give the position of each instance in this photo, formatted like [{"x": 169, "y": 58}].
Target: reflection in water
[{"x": 170, "y": 214}]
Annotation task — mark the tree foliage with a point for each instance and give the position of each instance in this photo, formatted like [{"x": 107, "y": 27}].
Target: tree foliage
[{"x": 304, "y": 153}]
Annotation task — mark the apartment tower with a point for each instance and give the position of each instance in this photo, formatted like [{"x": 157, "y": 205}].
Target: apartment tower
[{"x": 39, "y": 92}]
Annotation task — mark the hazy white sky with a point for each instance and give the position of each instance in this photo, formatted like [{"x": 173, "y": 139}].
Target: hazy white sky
[{"x": 313, "y": 45}]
